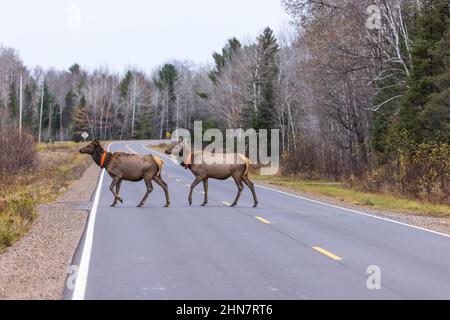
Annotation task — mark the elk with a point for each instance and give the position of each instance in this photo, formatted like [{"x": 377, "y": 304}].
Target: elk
[
  {"x": 129, "y": 167},
  {"x": 235, "y": 166}
]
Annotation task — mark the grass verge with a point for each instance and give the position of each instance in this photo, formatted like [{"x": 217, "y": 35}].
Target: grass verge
[
  {"x": 160, "y": 147},
  {"x": 378, "y": 201},
  {"x": 59, "y": 165}
]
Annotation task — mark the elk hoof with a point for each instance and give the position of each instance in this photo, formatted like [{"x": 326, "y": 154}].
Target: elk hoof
[
  {"x": 204, "y": 204},
  {"x": 256, "y": 204},
  {"x": 120, "y": 200},
  {"x": 233, "y": 205},
  {"x": 167, "y": 205},
  {"x": 190, "y": 202},
  {"x": 140, "y": 205},
  {"x": 113, "y": 205}
]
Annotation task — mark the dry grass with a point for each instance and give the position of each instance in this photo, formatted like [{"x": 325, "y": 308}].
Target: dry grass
[
  {"x": 160, "y": 147},
  {"x": 58, "y": 166}
]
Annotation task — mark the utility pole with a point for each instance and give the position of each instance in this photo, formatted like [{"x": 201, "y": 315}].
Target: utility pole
[
  {"x": 60, "y": 125},
  {"x": 40, "y": 114},
  {"x": 20, "y": 107},
  {"x": 50, "y": 122}
]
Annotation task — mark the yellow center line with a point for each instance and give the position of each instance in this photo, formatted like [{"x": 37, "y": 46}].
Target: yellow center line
[
  {"x": 226, "y": 203},
  {"x": 263, "y": 220},
  {"x": 327, "y": 253}
]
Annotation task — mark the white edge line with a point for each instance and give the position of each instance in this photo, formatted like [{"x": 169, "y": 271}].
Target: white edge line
[
  {"x": 354, "y": 211},
  {"x": 342, "y": 208},
  {"x": 129, "y": 148},
  {"x": 83, "y": 271}
]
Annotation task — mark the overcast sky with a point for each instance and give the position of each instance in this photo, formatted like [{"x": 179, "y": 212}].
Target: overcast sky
[{"x": 120, "y": 33}]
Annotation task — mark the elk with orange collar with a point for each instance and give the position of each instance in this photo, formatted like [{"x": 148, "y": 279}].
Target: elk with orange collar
[{"x": 129, "y": 167}]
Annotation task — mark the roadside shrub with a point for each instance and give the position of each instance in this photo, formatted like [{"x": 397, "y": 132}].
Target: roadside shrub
[
  {"x": 307, "y": 162},
  {"x": 17, "y": 154},
  {"x": 408, "y": 169},
  {"x": 418, "y": 171},
  {"x": 18, "y": 160}
]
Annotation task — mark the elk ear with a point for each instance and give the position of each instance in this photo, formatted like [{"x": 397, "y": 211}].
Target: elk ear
[{"x": 96, "y": 142}]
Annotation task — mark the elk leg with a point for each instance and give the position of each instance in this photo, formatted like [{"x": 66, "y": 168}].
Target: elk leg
[
  {"x": 194, "y": 184},
  {"x": 116, "y": 196},
  {"x": 148, "y": 184},
  {"x": 250, "y": 184},
  {"x": 163, "y": 185},
  {"x": 118, "y": 185},
  {"x": 240, "y": 188},
  {"x": 205, "y": 187}
]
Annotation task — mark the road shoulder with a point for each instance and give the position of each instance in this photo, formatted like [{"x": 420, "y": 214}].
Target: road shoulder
[{"x": 36, "y": 266}]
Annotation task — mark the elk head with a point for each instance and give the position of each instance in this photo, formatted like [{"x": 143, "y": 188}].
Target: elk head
[{"x": 91, "y": 147}]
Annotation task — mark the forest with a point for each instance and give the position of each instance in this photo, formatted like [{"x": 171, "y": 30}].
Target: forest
[{"x": 360, "y": 90}]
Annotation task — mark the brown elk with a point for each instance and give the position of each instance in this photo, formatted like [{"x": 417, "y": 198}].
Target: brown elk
[
  {"x": 129, "y": 167},
  {"x": 201, "y": 165}
]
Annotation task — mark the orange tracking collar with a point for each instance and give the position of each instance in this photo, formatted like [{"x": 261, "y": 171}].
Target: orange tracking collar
[{"x": 102, "y": 161}]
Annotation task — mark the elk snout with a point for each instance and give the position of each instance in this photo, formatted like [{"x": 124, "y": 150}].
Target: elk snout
[{"x": 86, "y": 150}]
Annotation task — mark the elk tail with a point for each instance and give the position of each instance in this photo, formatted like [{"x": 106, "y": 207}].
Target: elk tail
[
  {"x": 160, "y": 168},
  {"x": 247, "y": 164},
  {"x": 160, "y": 164}
]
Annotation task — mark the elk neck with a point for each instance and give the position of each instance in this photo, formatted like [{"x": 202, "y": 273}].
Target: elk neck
[{"x": 97, "y": 157}]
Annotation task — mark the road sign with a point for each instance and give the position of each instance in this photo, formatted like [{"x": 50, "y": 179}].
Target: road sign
[{"x": 85, "y": 135}]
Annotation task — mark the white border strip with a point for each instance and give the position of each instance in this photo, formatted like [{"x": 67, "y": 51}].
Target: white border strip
[
  {"x": 129, "y": 148},
  {"x": 342, "y": 208},
  {"x": 83, "y": 271}
]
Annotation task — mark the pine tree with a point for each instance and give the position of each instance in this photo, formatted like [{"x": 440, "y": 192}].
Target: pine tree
[
  {"x": 228, "y": 51},
  {"x": 12, "y": 101},
  {"x": 144, "y": 124},
  {"x": 30, "y": 114},
  {"x": 70, "y": 102},
  {"x": 435, "y": 118},
  {"x": 80, "y": 119},
  {"x": 416, "y": 115},
  {"x": 168, "y": 75},
  {"x": 125, "y": 83},
  {"x": 49, "y": 106},
  {"x": 264, "y": 117},
  {"x": 75, "y": 69}
]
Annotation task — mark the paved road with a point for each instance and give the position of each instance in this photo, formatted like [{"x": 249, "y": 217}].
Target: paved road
[{"x": 288, "y": 248}]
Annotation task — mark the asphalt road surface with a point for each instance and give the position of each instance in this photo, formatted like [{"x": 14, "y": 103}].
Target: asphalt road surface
[{"x": 287, "y": 248}]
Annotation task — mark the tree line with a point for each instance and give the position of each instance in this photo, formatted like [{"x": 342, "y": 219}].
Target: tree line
[{"x": 352, "y": 102}]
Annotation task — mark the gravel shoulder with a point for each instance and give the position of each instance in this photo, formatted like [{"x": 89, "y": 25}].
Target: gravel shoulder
[
  {"x": 36, "y": 266},
  {"x": 441, "y": 225}
]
